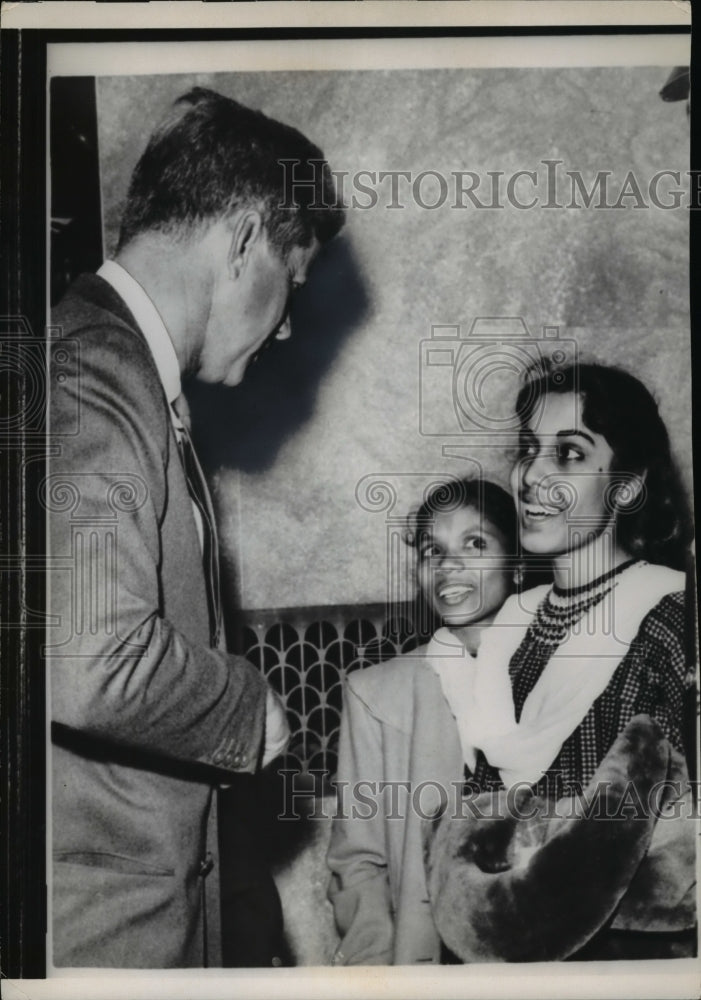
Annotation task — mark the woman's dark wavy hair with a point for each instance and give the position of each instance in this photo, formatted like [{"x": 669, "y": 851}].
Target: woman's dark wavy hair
[
  {"x": 211, "y": 155},
  {"x": 658, "y": 525},
  {"x": 492, "y": 502}
]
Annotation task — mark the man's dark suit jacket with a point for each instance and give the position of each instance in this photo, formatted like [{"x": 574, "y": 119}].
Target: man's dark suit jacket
[{"x": 146, "y": 717}]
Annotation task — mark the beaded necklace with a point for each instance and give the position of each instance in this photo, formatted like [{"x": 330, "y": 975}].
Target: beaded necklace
[{"x": 563, "y": 607}]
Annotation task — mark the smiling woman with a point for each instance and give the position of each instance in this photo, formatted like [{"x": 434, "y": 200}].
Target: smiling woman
[
  {"x": 561, "y": 481},
  {"x": 584, "y": 679},
  {"x": 596, "y": 476},
  {"x": 464, "y": 570},
  {"x": 595, "y": 465},
  {"x": 397, "y": 735}
]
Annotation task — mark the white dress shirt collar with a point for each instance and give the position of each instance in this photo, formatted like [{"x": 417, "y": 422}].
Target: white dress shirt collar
[{"x": 150, "y": 323}]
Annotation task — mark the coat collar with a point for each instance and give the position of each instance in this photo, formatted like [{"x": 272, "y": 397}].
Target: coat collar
[{"x": 149, "y": 322}]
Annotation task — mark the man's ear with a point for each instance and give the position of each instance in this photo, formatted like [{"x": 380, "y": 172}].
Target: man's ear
[{"x": 246, "y": 228}]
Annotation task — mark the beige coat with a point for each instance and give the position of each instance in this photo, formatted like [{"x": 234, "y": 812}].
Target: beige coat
[{"x": 396, "y": 727}]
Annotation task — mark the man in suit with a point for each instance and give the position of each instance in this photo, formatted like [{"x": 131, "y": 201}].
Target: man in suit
[{"x": 149, "y": 711}]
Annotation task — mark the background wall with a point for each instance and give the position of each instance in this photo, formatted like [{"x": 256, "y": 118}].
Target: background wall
[{"x": 343, "y": 399}]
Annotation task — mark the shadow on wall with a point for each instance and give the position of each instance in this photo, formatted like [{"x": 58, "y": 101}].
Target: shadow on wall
[{"x": 244, "y": 427}]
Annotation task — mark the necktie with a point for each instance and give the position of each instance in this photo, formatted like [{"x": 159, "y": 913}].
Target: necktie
[{"x": 199, "y": 494}]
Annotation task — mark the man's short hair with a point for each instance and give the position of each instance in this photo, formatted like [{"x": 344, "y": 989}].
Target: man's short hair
[{"x": 211, "y": 156}]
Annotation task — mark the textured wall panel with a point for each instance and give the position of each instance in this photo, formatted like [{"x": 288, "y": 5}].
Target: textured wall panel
[{"x": 340, "y": 401}]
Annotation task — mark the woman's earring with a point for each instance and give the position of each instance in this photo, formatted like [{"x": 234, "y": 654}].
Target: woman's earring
[{"x": 518, "y": 576}]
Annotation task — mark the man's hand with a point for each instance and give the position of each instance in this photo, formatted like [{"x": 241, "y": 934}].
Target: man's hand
[{"x": 277, "y": 731}]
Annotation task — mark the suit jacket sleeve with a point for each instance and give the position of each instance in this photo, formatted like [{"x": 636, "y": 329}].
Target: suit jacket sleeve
[
  {"x": 122, "y": 671},
  {"x": 357, "y": 857}
]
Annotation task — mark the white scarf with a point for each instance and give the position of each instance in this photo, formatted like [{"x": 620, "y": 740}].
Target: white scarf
[{"x": 479, "y": 691}]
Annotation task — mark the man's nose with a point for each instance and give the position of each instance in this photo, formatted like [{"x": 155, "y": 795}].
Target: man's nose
[{"x": 284, "y": 331}]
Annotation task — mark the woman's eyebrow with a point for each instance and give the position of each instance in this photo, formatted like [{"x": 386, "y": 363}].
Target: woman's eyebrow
[{"x": 576, "y": 433}]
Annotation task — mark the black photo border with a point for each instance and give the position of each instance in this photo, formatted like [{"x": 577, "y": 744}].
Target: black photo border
[{"x": 23, "y": 138}]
